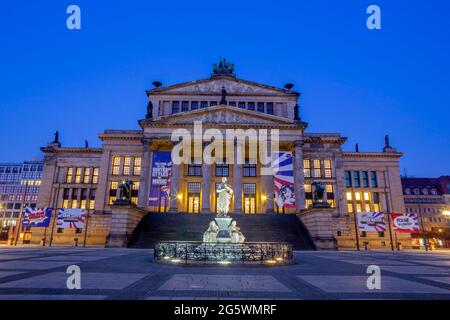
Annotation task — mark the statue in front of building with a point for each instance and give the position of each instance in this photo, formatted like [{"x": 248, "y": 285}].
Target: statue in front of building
[
  {"x": 124, "y": 192},
  {"x": 211, "y": 234},
  {"x": 318, "y": 191},
  {"x": 224, "y": 199},
  {"x": 236, "y": 234}
]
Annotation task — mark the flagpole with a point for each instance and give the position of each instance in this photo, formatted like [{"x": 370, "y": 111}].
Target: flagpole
[{"x": 388, "y": 209}]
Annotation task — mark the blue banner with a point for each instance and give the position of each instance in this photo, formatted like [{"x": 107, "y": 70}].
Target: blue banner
[
  {"x": 39, "y": 217},
  {"x": 160, "y": 179}
]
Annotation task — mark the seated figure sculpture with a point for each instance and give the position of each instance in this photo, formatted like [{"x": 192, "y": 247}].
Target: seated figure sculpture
[
  {"x": 210, "y": 235},
  {"x": 236, "y": 234}
]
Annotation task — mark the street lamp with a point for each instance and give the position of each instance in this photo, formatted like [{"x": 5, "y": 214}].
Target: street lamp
[{"x": 446, "y": 213}]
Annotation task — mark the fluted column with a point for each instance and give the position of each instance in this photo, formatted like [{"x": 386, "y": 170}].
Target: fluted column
[
  {"x": 206, "y": 188},
  {"x": 144, "y": 179},
  {"x": 174, "y": 187},
  {"x": 237, "y": 179},
  {"x": 298, "y": 176}
]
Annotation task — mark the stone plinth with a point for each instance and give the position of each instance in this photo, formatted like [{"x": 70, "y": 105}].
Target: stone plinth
[
  {"x": 223, "y": 236},
  {"x": 124, "y": 219},
  {"x": 319, "y": 222}
]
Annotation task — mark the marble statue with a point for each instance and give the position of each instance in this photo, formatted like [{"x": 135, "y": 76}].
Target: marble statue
[
  {"x": 236, "y": 234},
  {"x": 225, "y": 193},
  {"x": 210, "y": 235}
]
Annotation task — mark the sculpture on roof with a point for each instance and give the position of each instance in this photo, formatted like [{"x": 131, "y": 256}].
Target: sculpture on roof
[{"x": 223, "y": 68}]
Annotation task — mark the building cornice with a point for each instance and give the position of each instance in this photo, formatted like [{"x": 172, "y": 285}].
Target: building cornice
[
  {"x": 372, "y": 154},
  {"x": 71, "y": 150}
]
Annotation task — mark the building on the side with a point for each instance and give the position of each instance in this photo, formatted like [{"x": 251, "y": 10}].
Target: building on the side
[
  {"x": 429, "y": 198},
  {"x": 90, "y": 177},
  {"x": 19, "y": 188}
]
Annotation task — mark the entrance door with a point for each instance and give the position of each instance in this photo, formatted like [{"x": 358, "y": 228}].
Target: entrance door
[
  {"x": 249, "y": 203},
  {"x": 194, "y": 203}
]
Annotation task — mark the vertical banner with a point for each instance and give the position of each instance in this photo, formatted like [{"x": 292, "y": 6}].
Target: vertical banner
[
  {"x": 405, "y": 222},
  {"x": 160, "y": 179},
  {"x": 71, "y": 218},
  {"x": 283, "y": 178},
  {"x": 371, "y": 221},
  {"x": 38, "y": 217}
]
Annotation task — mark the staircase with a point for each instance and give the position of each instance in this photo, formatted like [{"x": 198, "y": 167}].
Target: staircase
[{"x": 156, "y": 227}]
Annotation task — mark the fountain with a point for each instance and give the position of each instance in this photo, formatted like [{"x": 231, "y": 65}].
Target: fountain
[{"x": 223, "y": 242}]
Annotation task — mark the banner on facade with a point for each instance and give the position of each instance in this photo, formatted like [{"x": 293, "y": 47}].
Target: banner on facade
[
  {"x": 71, "y": 218},
  {"x": 37, "y": 217},
  {"x": 160, "y": 179},
  {"x": 405, "y": 222},
  {"x": 371, "y": 221},
  {"x": 283, "y": 178}
]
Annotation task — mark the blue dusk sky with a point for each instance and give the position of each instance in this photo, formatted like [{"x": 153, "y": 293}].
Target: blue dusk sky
[{"x": 358, "y": 82}]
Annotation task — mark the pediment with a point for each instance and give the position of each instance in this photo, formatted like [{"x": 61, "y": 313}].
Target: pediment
[
  {"x": 214, "y": 85},
  {"x": 224, "y": 115}
]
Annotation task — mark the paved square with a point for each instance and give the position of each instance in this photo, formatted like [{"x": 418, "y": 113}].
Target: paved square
[
  {"x": 223, "y": 283},
  {"x": 40, "y": 274}
]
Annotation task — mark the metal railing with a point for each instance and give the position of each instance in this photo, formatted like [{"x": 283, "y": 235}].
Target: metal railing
[{"x": 249, "y": 252}]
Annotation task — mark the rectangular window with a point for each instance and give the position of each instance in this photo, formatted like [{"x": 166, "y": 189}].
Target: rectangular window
[
  {"x": 194, "y": 187},
  {"x": 78, "y": 175},
  {"x": 260, "y": 106},
  {"x": 175, "y": 106},
  {"x": 194, "y": 105},
  {"x": 329, "y": 188},
  {"x": 184, "y": 106},
  {"x": 365, "y": 179},
  {"x": 221, "y": 170},
  {"x": 116, "y": 166},
  {"x": 92, "y": 199},
  {"x": 350, "y": 207},
  {"x": 356, "y": 180},
  {"x": 251, "y": 106},
  {"x": 69, "y": 175},
  {"x": 249, "y": 188},
  {"x": 307, "y": 168},
  {"x": 87, "y": 175},
  {"x": 269, "y": 107},
  {"x": 328, "y": 170},
  {"x": 127, "y": 166},
  {"x": 137, "y": 166},
  {"x": 317, "y": 169},
  {"x": 373, "y": 179},
  {"x": 348, "y": 179},
  {"x": 95, "y": 176},
  {"x": 249, "y": 170},
  {"x": 204, "y": 104},
  {"x": 307, "y": 187},
  {"x": 213, "y": 103},
  {"x": 241, "y": 105},
  {"x": 113, "y": 191},
  {"x": 134, "y": 192},
  {"x": 194, "y": 170},
  {"x": 232, "y": 103}
]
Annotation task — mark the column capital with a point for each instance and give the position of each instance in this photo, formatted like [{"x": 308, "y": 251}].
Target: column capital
[{"x": 299, "y": 143}]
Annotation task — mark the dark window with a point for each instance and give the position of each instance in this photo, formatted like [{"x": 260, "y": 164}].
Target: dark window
[
  {"x": 363, "y": 234},
  {"x": 78, "y": 230},
  {"x": 365, "y": 179},
  {"x": 185, "y": 106},
  {"x": 251, "y": 106},
  {"x": 269, "y": 107},
  {"x": 221, "y": 170},
  {"x": 348, "y": 179},
  {"x": 241, "y": 105},
  {"x": 194, "y": 105},
  {"x": 249, "y": 170},
  {"x": 194, "y": 170},
  {"x": 60, "y": 230},
  {"x": 232, "y": 103},
  {"x": 260, "y": 106},
  {"x": 213, "y": 103},
  {"x": 175, "y": 106},
  {"x": 356, "y": 180},
  {"x": 204, "y": 104},
  {"x": 373, "y": 179},
  {"x": 339, "y": 233},
  {"x": 381, "y": 234}
]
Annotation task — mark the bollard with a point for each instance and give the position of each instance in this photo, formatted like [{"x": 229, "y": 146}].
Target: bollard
[{"x": 76, "y": 242}]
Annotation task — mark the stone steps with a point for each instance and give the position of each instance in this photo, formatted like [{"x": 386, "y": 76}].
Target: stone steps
[{"x": 156, "y": 227}]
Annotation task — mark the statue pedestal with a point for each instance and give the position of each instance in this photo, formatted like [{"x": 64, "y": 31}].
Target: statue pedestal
[{"x": 223, "y": 236}]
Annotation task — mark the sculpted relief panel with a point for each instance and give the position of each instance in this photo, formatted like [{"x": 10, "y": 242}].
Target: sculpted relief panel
[
  {"x": 215, "y": 86},
  {"x": 220, "y": 117}
]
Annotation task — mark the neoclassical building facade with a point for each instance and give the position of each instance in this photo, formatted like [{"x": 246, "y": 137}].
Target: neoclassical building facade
[{"x": 90, "y": 177}]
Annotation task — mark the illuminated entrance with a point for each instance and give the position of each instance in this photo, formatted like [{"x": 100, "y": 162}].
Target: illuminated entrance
[
  {"x": 249, "y": 198},
  {"x": 194, "y": 197}
]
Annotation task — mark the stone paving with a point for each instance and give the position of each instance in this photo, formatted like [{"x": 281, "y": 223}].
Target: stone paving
[{"x": 40, "y": 273}]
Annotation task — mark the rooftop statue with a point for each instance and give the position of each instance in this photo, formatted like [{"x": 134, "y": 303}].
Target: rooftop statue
[{"x": 223, "y": 68}]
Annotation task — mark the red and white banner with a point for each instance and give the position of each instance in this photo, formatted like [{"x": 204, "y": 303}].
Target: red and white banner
[
  {"x": 405, "y": 222},
  {"x": 371, "y": 221},
  {"x": 71, "y": 218}
]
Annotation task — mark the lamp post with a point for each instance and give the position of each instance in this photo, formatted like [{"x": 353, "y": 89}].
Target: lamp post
[{"x": 19, "y": 224}]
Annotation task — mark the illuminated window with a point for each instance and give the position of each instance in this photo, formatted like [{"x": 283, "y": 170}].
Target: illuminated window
[
  {"x": 116, "y": 166},
  {"x": 309, "y": 203},
  {"x": 69, "y": 175},
  {"x": 317, "y": 168},
  {"x": 331, "y": 203},
  {"x": 137, "y": 166},
  {"x": 329, "y": 188},
  {"x": 113, "y": 191},
  {"x": 358, "y": 207},
  {"x": 134, "y": 192},
  {"x": 87, "y": 175},
  {"x": 78, "y": 175},
  {"x": 350, "y": 207},
  {"x": 328, "y": 170},
  {"x": 307, "y": 168},
  {"x": 307, "y": 187},
  {"x": 127, "y": 166},
  {"x": 367, "y": 207},
  {"x": 366, "y": 196},
  {"x": 95, "y": 176},
  {"x": 349, "y": 196},
  {"x": 358, "y": 196},
  {"x": 92, "y": 199}
]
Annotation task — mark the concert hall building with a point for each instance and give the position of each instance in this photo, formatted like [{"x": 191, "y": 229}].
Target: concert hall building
[{"x": 78, "y": 177}]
